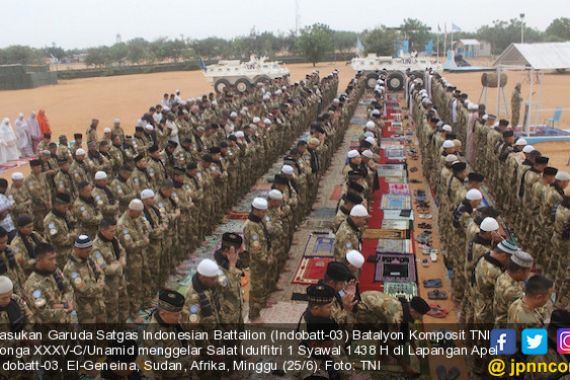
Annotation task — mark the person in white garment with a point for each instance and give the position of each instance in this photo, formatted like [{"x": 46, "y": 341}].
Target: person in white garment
[
  {"x": 24, "y": 138},
  {"x": 35, "y": 131},
  {"x": 9, "y": 139}
]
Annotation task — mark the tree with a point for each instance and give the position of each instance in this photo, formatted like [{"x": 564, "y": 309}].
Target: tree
[
  {"x": 99, "y": 56},
  {"x": 315, "y": 42},
  {"x": 379, "y": 41},
  {"x": 344, "y": 41},
  {"x": 417, "y": 32},
  {"x": 559, "y": 29},
  {"x": 503, "y": 33},
  {"x": 138, "y": 50}
]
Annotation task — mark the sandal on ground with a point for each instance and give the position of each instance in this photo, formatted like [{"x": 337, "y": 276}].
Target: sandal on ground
[
  {"x": 437, "y": 295},
  {"x": 432, "y": 283}
]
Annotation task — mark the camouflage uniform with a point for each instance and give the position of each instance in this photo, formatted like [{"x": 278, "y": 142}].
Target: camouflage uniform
[
  {"x": 15, "y": 316},
  {"x": 276, "y": 229},
  {"x": 521, "y": 316},
  {"x": 124, "y": 193},
  {"x": 346, "y": 238},
  {"x": 156, "y": 226},
  {"x": 80, "y": 172},
  {"x": 486, "y": 273},
  {"x": 61, "y": 234},
  {"x": 202, "y": 306},
  {"x": 170, "y": 211},
  {"x": 64, "y": 184},
  {"x": 10, "y": 268},
  {"x": 258, "y": 245},
  {"x": 87, "y": 216},
  {"x": 561, "y": 247},
  {"x": 26, "y": 257},
  {"x": 22, "y": 201},
  {"x": 140, "y": 180},
  {"x": 39, "y": 191},
  {"x": 507, "y": 291},
  {"x": 106, "y": 201},
  {"x": 231, "y": 292},
  {"x": 46, "y": 290}
]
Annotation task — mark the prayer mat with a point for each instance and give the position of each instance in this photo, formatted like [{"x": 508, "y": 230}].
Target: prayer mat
[
  {"x": 377, "y": 233},
  {"x": 403, "y": 246},
  {"x": 324, "y": 213},
  {"x": 319, "y": 246},
  {"x": 318, "y": 225},
  {"x": 391, "y": 170},
  {"x": 395, "y": 224},
  {"x": 358, "y": 121},
  {"x": 397, "y": 215},
  {"x": 395, "y": 268},
  {"x": 395, "y": 179},
  {"x": 240, "y": 215},
  {"x": 396, "y": 202},
  {"x": 398, "y": 189},
  {"x": 336, "y": 193},
  {"x": 311, "y": 270},
  {"x": 406, "y": 290}
]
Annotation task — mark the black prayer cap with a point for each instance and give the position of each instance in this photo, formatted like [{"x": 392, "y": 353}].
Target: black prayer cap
[
  {"x": 178, "y": 171},
  {"x": 458, "y": 166},
  {"x": 24, "y": 220},
  {"x": 549, "y": 170},
  {"x": 191, "y": 166},
  {"x": 420, "y": 305},
  {"x": 542, "y": 160},
  {"x": 475, "y": 177},
  {"x": 353, "y": 198},
  {"x": 560, "y": 318},
  {"x": 139, "y": 129},
  {"x": 153, "y": 149},
  {"x": 230, "y": 239},
  {"x": 338, "y": 271},
  {"x": 207, "y": 158},
  {"x": 170, "y": 300},
  {"x": 280, "y": 180},
  {"x": 139, "y": 157},
  {"x": 320, "y": 294},
  {"x": 509, "y": 133},
  {"x": 215, "y": 150},
  {"x": 173, "y": 144},
  {"x": 356, "y": 187},
  {"x": 62, "y": 198},
  {"x": 35, "y": 162}
]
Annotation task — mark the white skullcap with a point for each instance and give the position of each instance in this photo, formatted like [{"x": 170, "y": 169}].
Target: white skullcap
[
  {"x": 359, "y": 210},
  {"x": 353, "y": 154},
  {"x": 473, "y": 195},
  {"x": 368, "y": 134},
  {"x": 450, "y": 158},
  {"x": 368, "y": 153},
  {"x": 147, "y": 193},
  {"x": 17, "y": 176},
  {"x": 375, "y": 112},
  {"x": 267, "y": 121},
  {"x": 233, "y": 114},
  {"x": 107, "y": 130},
  {"x": 448, "y": 144},
  {"x": 447, "y": 128},
  {"x": 136, "y": 205},
  {"x": 244, "y": 108},
  {"x": 259, "y": 203},
  {"x": 371, "y": 140},
  {"x": 275, "y": 195},
  {"x": 80, "y": 152},
  {"x": 287, "y": 169},
  {"x": 278, "y": 92},
  {"x": 149, "y": 127},
  {"x": 284, "y": 88},
  {"x": 355, "y": 258},
  {"x": 256, "y": 120},
  {"x": 116, "y": 120},
  {"x": 370, "y": 124},
  {"x": 239, "y": 134},
  {"x": 214, "y": 102},
  {"x": 485, "y": 117},
  {"x": 489, "y": 224},
  {"x": 336, "y": 101},
  {"x": 528, "y": 149},
  {"x": 473, "y": 107},
  {"x": 562, "y": 176},
  {"x": 208, "y": 268},
  {"x": 267, "y": 96},
  {"x": 521, "y": 142},
  {"x": 100, "y": 175},
  {"x": 6, "y": 285}
]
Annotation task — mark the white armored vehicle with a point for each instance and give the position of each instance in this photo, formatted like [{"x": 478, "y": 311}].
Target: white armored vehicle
[
  {"x": 243, "y": 75},
  {"x": 391, "y": 69}
]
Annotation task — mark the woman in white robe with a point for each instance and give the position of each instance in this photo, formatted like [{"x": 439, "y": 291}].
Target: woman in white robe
[
  {"x": 10, "y": 141},
  {"x": 24, "y": 137},
  {"x": 35, "y": 131}
]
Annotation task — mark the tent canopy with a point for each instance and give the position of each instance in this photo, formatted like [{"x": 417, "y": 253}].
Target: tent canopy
[
  {"x": 470, "y": 42},
  {"x": 538, "y": 56}
]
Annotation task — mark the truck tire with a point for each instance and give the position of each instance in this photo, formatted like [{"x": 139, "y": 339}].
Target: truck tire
[
  {"x": 242, "y": 85},
  {"x": 220, "y": 85},
  {"x": 371, "y": 80},
  {"x": 395, "y": 81}
]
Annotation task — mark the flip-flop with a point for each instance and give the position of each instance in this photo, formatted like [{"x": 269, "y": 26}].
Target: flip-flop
[
  {"x": 437, "y": 295},
  {"x": 441, "y": 372},
  {"x": 453, "y": 373},
  {"x": 425, "y": 263},
  {"x": 432, "y": 283}
]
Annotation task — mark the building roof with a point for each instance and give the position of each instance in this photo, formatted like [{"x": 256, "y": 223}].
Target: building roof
[
  {"x": 538, "y": 56},
  {"x": 470, "y": 41}
]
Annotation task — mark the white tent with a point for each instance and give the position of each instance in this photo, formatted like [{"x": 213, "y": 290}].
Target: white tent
[{"x": 539, "y": 56}]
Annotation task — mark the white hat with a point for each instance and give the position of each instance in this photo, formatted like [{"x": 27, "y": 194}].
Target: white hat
[
  {"x": 528, "y": 149},
  {"x": 447, "y": 128},
  {"x": 6, "y": 285},
  {"x": 368, "y": 134},
  {"x": 521, "y": 142},
  {"x": 474, "y": 195},
  {"x": 355, "y": 258},
  {"x": 275, "y": 195},
  {"x": 149, "y": 127},
  {"x": 256, "y": 120},
  {"x": 267, "y": 96},
  {"x": 368, "y": 153},
  {"x": 353, "y": 154},
  {"x": 100, "y": 175},
  {"x": 489, "y": 224},
  {"x": 336, "y": 101},
  {"x": 267, "y": 121},
  {"x": 116, "y": 120},
  {"x": 359, "y": 210},
  {"x": 147, "y": 193},
  {"x": 561, "y": 175},
  {"x": 107, "y": 130},
  {"x": 208, "y": 268},
  {"x": 233, "y": 114},
  {"x": 375, "y": 112},
  {"x": 450, "y": 158},
  {"x": 287, "y": 169},
  {"x": 136, "y": 205},
  {"x": 80, "y": 152},
  {"x": 473, "y": 107},
  {"x": 17, "y": 176},
  {"x": 370, "y": 124},
  {"x": 278, "y": 92},
  {"x": 239, "y": 134},
  {"x": 259, "y": 203},
  {"x": 448, "y": 144},
  {"x": 371, "y": 140}
]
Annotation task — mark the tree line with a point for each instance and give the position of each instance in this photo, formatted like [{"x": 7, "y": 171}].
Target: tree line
[{"x": 314, "y": 42}]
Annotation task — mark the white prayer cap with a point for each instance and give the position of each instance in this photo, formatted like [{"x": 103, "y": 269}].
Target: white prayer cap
[
  {"x": 45, "y": 152},
  {"x": 448, "y": 144},
  {"x": 447, "y": 128},
  {"x": 17, "y": 176},
  {"x": 267, "y": 121},
  {"x": 485, "y": 117},
  {"x": 149, "y": 127},
  {"x": 336, "y": 101},
  {"x": 371, "y": 140},
  {"x": 287, "y": 169},
  {"x": 267, "y": 96},
  {"x": 100, "y": 175},
  {"x": 375, "y": 112},
  {"x": 256, "y": 120},
  {"x": 450, "y": 158},
  {"x": 368, "y": 134},
  {"x": 107, "y": 130},
  {"x": 368, "y": 153},
  {"x": 208, "y": 268},
  {"x": 80, "y": 152},
  {"x": 562, "y": 176},
  {"x": 275, "y": 195},
  {"x": 489, "y": 224},
  {"x": 278, "y": 92},
  {"x": 473, "y": 107},
  {"x": 233, "y": 114},
  {"x": 244, "y": 108},
  {"x": 147, "y": 193},
  {"x": 370, "y": 124},
  {"x": 473, "y": 195},
  {"x": 355, "y": 258},
  {"x": 6, "y": 285},
  {"x": 259, "y": 203},
  {"x": 284, "y": 88},
  {"x": 177, "y": 91},
  {"x": 239, "y": 134},
  {"x": 116, "y": 120},
  {"x": 214, "y": 102},
  {"x": 359, "y": 210},
  {"x": 136, "y": 205},
  {"x": 353, "y": 154},
  {"x": 521, "y": 142},
  {"x": 528, "y": 149}
]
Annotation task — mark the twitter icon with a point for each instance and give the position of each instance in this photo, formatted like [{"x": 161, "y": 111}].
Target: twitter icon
[{"x": 534, "y": 341}]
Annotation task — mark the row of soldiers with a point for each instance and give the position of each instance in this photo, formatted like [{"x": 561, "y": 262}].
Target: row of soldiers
[{"x": 491, "y": 267}]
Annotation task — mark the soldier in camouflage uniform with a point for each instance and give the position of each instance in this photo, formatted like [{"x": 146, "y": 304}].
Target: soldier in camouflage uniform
[
  {"x": 21, "y": 196},
  {"x": 348, "y": 236},
  {"x": 85, "y": 211},
  {"x": 122, "y": 188},
  {"x": 60, "y": 228},
  {"x": 104, "y": 197},
  {"x": 80, "y": 170},
  {"x": 156, "y": 225},
  {"x": 277, "y": 234},
  {"x": 116, "y": 155},
  {"x": 183, "y": 197},
  {"x": 155, "y": 167},
  {"x": 509, "y": 286},
  {"x": 140, "y": 179},
  {"x": 88, "y": 282},
  {"x": 39, "y": 190},
  {"x": 528, "y": 179},
  {"x": 117, "y": 130},
  {"x": 91, "y": 133},
  {"x": 9, "y": 266},
  {"x": 170, "y": 211},
  {"x": 528, "y": 311},
  {"x": 63, "y": 150},
  {"x": 63, "y": 179},
  {"x": 110, "y": 256},
  {"x": 25, "y": 243},
  {"x": 561, "y": 246}
]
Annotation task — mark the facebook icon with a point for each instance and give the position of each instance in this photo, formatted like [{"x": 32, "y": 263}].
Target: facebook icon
[{"x": 504, "y": 341}]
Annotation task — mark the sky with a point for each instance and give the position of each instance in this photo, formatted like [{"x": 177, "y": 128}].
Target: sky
[{"x": 87, "y": 23}]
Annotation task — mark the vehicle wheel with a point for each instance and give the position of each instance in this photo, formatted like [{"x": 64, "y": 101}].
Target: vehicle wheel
[
  {"x": 371, "y": 80},
  {"x": 221, "y": 85},
  {"x": 262, "y": 79},
  {"x": 395, "y": 81},
  {"x": 242, "y": 85}
]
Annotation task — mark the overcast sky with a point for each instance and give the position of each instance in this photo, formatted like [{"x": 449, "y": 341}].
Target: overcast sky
[{"x": 85, "y": 23}]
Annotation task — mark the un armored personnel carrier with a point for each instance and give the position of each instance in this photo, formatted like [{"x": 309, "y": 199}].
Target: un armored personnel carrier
[{"x": 243, "y": 75}]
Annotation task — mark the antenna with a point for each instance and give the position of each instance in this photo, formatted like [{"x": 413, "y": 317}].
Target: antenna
[{"x": 297, "y": 17}]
